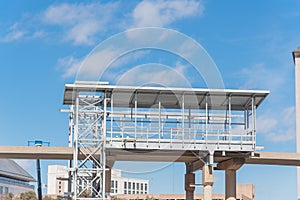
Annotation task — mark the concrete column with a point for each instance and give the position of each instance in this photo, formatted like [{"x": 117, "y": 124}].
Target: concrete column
[
  {"x": 207, "y": 181},
  {"x": 230, "y": 182},
  {"x": 189, "y": 180},
  {"x": 296, "y": 56},
  {"x": 108, "y": 180}
]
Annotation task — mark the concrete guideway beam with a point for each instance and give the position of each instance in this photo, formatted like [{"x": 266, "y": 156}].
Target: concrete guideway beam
[
  {"x": 66, "y": 153},
  {"x": 231, "y": 164}
]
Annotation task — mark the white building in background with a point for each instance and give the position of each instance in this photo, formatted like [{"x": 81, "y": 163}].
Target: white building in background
[
  {"x": 122, "y": 185},
  {"x": 119, "y": 184},
  {"x": 56, "y": 186}
]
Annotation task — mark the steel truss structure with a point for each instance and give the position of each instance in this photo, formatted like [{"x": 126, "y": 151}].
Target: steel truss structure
[
  {"x": 87, "y": 130},
  {"x": 149, "y": 118}
]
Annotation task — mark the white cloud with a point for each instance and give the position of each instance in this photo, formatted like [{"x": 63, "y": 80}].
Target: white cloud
[
  {"x": 265, "y": 123},
  {"x": 278, "y": 127},
  {"x": 69, "y": 65},
  {"x": 94, "y": 65},
  {"x": 155, "y": 74},
  {"x": 261, "y": 77},
  {"x": 160, "y": 13},
  {"x": 84, "y": 23},
  {"x": 14, "y": 33},
  {"x": 39, "y": 34},
  {"x": 129, "y": 57},
  {"x": 81, "y": 22}
]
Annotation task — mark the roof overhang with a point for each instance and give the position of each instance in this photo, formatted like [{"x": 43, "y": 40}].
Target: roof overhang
[
  {"x": 296, "y": 53},
  {"x": 194, "y": 98}
]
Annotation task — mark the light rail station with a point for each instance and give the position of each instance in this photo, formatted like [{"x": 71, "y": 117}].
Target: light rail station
[
  {"x": 107, "y": 121},
  {"x": 207, "y": 129}
]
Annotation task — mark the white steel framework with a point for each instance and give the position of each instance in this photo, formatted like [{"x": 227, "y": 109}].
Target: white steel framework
[
  {"x": 150, "y": 118},
  {"x": 87, "y": 133}
]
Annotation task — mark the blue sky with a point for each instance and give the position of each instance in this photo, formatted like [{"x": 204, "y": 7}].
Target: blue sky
[{"x": 42, "y": 44}]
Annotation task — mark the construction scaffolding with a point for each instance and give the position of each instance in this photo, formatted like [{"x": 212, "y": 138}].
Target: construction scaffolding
[{"x": 153, "y": 118}]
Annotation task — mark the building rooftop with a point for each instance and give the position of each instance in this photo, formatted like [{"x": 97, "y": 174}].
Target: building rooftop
[
  {"x": 296, "y": 53},
  {"x": 10, "y": 169}
]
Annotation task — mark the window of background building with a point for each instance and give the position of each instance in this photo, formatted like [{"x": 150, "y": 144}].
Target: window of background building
[
  {"x": 1, "y": 189},
  {"x": 142, "y": 188},
  {"x": 146, "y": 188},
  {"x": 129, "y": 185},
  {"x": 116, "y": 187},
  {"x": 6, "y": 190},
  {"x": 125, "y": 187}
]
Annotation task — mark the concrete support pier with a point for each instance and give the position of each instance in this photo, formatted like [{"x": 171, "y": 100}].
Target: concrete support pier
[
  {"x": 230, "y": 182},
  {"x": 189, "y": 186},
  {"x": 231, "y": 166},
  {"x": 189, "y": 182},
  {"x": 108, "y": 180},
  {"x": 207, "y": 181}
]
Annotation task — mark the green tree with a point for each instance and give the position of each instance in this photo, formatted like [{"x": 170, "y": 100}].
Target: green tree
[
  {"x": 28, "y": 196},
  {"x": 47, "y": 198},
  {"x": 8, "y": 196}
]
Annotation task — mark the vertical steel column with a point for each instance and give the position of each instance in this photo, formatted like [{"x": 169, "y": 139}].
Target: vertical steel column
[
  {"x": 229, "y": 114},
  {"x": 71, "y": 129},
  {"x": 159, "y": 120},
  {"x": 135, "y": 115},
  {"x": 182, "y": 122},
  {"x": 75, "y": 147},
  {"x": 189, "y": 123},
  {"x": 206, "y": 120},
  {"x": 38, "y": 171},
  {"x": 245, "y": 127},
  {"x": 103, "y": 155},
  {"x": 111, "y": 116},
  {"x": 253, "y": 123}
]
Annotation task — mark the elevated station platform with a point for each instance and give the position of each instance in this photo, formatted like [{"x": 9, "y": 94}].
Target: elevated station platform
[
  {"x": 193, "y": 125},
  {"x": 171, "y": 118}
]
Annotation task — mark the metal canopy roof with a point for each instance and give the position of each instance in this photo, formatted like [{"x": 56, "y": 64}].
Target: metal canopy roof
[
  {"x": 10, "y": 169},
  {"x": 194, "y": 98}
]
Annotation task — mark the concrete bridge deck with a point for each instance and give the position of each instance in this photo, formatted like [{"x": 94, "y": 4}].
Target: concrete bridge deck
[{"x": 66, "y": 153}]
